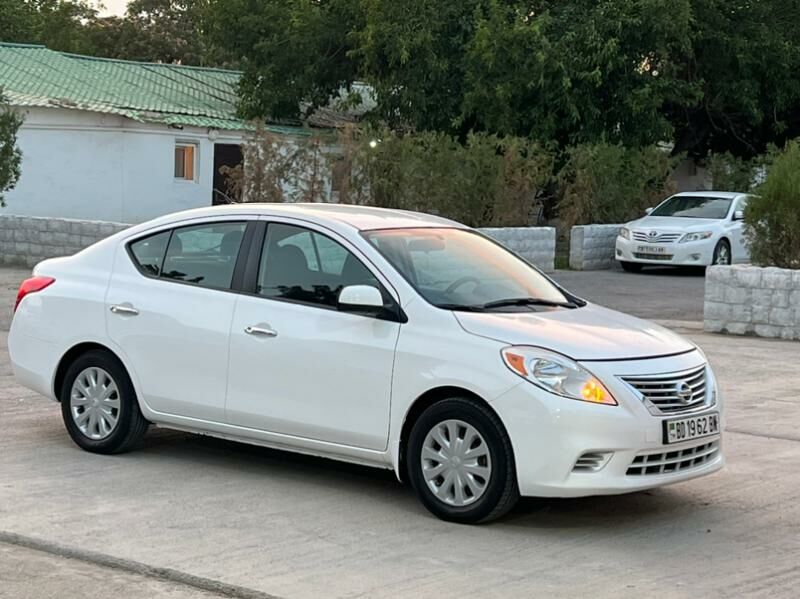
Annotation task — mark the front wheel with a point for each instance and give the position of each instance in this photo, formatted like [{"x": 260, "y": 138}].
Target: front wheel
[
  {"x": 722, "y": 254},
  {"x": 99, "y": 406},
  {"x": 631, "y": 266},
  {"x": 461, "y": 463}
]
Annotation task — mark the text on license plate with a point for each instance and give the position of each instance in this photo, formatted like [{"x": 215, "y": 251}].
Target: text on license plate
[
  {"x": 650, "y": 249},
  {"x": 693, "y": 427}
]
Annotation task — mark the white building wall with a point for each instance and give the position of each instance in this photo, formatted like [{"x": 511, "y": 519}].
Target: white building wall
[{"x": 92, "y": 166}]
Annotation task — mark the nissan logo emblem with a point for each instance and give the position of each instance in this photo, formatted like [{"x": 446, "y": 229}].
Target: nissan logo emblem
[{"x": 685, "y": 392}]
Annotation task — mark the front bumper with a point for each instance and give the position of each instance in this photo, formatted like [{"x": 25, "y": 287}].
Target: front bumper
[
  {"x": 550, "y": 434},
  {"x": 693, "y": 253}
]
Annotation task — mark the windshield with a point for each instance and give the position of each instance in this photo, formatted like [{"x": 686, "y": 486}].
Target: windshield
[
  {"x": 694, "y": 207},
  {"x": 458, "y": 268}
]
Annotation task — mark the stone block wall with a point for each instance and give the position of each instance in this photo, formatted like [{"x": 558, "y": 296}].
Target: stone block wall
[
  {"x": 592, "y": 247},
  {"x": 535, "y": 244},
  {"x": 26, "y": 240},
  {"x": 750, "y": 300}
]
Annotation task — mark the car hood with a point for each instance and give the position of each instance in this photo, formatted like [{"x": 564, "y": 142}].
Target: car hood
[
  {"x": 588, "y": 333},
  {"x": 677, "y": 223}
]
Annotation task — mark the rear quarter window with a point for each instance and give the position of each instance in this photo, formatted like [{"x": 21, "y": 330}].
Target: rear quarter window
[{"x": 148, "y": 253}]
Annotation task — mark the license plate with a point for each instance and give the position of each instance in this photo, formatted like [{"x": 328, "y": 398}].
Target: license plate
[
  {"x": 693, "y": 427},
  {"x": 650, "y": 249}
]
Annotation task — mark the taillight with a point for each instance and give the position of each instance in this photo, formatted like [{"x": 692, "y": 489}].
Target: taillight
[{"x": 32, "y": 285}]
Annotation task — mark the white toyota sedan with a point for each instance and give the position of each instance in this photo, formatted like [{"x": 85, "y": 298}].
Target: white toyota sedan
[
  {"x": 386, "y": 338},
  {"x": 697, "y": 228}
]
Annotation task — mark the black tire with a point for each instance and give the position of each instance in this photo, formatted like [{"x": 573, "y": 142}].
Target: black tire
[
  {"x": 131, "y": 425},
  {"x": 631, "y": 266},
  {"x": 722, "y": 245},
  {"x": 501, "y": 493}
]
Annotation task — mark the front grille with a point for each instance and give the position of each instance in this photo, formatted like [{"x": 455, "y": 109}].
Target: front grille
[
  {"x": 672, "y": 393},
  {"x": 659, "y": 238},
  {"x": 662, "y": 257},
  {"x": 680, "y": 460}
]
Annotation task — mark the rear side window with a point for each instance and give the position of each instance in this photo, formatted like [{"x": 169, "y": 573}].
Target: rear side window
[
  {"x": 204, "y": 255},
  {"x": 148, "y": 253}
]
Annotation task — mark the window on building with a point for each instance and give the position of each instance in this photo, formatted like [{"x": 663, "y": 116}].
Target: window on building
[{"x": 185, "y": 156}]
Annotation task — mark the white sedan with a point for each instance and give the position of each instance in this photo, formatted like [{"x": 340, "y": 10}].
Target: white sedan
[
  {"x": 391, "y": 339},
  {"x": 697, "y": 228}
]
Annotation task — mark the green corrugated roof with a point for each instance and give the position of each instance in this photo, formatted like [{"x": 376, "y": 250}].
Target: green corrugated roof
[{"x": 146, "y": 92}]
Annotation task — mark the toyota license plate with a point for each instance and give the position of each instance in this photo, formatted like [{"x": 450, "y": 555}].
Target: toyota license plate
[
  {"x": 650, "y": 249},
  {"x": 693, "y": 427}
]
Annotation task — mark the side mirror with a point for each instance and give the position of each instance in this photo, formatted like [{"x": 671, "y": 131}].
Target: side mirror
[
  {"x": 648, "y": 210},
  {"x": 360, "y": 296},
  {"x": 738, "y": 215}
]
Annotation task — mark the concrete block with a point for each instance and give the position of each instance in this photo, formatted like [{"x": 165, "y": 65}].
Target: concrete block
[
  {"x": 713, "y": 326},
  {"x": 717, "y": 311},
  {"x": 741, "y": 313},
  {"x": 737, "y": 295},
  {"x": 738, "y": 328},
  {"x": 760, "y": 314},
  {"x": 783, "y": 317},
  {"x": 766, "y": 330},
  {"x": 776, "y": 278},
  {"x": 746, "y": 276}
]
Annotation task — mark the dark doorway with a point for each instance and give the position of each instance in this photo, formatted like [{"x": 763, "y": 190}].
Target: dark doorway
[{"x": 224, "y": 155}]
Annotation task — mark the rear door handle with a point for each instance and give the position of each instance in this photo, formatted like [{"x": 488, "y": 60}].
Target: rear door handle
[
  {"x": 125, "y": 309},
  {"x": 261, "y": 331}
]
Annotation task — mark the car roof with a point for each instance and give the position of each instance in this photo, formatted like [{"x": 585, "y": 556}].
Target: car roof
[
  {"x": 361, "y": 218},
  {"x": 728, "y": 195}
]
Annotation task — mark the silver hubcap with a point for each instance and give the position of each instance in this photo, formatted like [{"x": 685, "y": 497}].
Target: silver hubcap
[
  {"x": 456, "y": 463},
  {"x": 94, "y": 403},
  {"x": 723, "y": 257}
]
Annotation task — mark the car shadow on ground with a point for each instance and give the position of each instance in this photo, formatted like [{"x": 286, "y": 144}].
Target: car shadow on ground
[
  {"x": 672, "y": 271},
  {"x": 585, "y": 514}
]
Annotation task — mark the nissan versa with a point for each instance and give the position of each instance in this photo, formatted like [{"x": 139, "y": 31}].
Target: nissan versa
[{"x": 387, "y": 338}]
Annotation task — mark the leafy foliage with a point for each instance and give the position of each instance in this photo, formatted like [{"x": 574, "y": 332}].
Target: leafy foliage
[
  {"x": 732, "y": 173},
  {"x": 610, "y": 183},
  {"x": 772, "y": 217},
  {"x": 10, "y": 155}
]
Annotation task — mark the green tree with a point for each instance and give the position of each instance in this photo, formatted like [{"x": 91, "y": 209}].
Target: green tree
[
  {"x": 292, "y": 51},
  {"x": 772, "y": 217},
  {"x": 10, "y": 155}
]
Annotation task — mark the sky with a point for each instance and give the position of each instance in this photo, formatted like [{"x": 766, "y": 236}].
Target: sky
[{"x": 113, "y": 7}]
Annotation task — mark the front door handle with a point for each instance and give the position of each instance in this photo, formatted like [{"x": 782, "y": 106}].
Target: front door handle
[
  {"x": 125, "y": 309},
  {"x": 261, "y": 331}
]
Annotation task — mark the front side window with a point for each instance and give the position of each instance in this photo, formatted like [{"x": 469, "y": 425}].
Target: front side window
[
  {"x": 204, "y": 255},
  {"x": 457, "y": 268},
  {"x": 305, "y": 266},
  {"x": 694, "y": 207}
]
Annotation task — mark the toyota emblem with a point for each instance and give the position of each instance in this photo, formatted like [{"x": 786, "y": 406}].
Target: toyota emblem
[
  {"x": 653, "y": 234},
  {"x": 685, "y": 392}
]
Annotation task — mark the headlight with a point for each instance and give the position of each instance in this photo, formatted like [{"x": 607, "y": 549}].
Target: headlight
[
  {"x": 696, "y": 236},
  {"x": 557, "y": 374},
  {"x": 625, "y": 233}
]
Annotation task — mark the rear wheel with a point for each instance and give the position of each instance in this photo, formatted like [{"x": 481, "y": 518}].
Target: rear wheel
[
  {"x": 461, "y": 463},
  {"x": 99, "y": 406},
  {"x": 631, "y": 266},
  {"x": 722, "y": 254}
]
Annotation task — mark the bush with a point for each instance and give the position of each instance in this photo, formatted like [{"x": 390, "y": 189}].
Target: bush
[
  {"x": 10, "y": 155},
  {"x": 772, "y": 218},
  {"x": 731, "y": 173},
  {"x": 608, "y": 183},
  {"x": 486, "y": 181}
]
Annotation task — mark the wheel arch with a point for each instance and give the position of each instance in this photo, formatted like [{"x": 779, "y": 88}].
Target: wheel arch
[
  {"x": 422, "y": 403},
  {"x": 73, "y": 354}
]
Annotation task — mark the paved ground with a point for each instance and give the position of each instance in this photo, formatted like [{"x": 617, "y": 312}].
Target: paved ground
[
  {"x": 655, "y": 293},
  {"x": 187, "y": 513}
]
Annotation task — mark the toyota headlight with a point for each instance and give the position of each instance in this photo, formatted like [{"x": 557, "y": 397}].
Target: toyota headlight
[
  {"x": 696, "y": 236},
  {"x": 557, "y": 374},
  {"x": 625, "y": 232}
]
